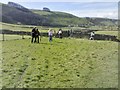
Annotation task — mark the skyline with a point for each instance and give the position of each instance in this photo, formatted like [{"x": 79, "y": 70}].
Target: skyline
[
  {"x": 5, "y": 1},
  {"x": 80, "y": 9}
]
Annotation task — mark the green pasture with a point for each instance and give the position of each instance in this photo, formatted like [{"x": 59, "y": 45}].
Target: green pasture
[
  {"x": 113, "y": 33},
  {"x": 104, "y": 28},
  {"x": 28, "y": 28},
  {"x": 13, "y": 37},
  {"x": 64, "y": 63}
]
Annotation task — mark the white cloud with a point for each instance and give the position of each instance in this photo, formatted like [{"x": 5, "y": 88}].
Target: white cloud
[
  {"x": 104, "y": 13},
  {"x": 113, "y": 14}
]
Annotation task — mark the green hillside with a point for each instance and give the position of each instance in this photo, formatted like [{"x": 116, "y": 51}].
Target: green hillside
[
  {"x": 62, "y": 18},
  {"x": 102, "y": 21},
  {"x": 44, "y": 18},
  {"x": 21, "y": 16},
  {"x": 69, "y": 19}
]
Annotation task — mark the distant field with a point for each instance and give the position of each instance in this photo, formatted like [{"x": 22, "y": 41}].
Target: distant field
[
  {"x": 14, "y": 27},
  {"x": 76, "y": 63},
  {"x": 114, "y": 33},
  {"x": 104, "y": 28},
  {"x": 13, "y": 37},
  {"x": 28, "y": 28}
]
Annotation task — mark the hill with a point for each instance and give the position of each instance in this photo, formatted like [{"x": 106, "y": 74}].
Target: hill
[
  {"x": 69, "y": 19},
  {"x": 20, "y": 16},
  {"x": 102, "y": 21},
  {"x": 61, "y": 18},
  {"x": 15, "y": 15}
]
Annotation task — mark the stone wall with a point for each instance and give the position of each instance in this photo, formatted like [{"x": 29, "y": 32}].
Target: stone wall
[{"x": 67, "y": 34}]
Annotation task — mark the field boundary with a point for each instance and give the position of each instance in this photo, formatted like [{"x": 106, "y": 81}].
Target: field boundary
[{"x": 74, "y": 34}]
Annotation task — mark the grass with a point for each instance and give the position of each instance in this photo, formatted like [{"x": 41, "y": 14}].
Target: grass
[
  {"x": 41, "y": 12},
  {"x": 12, "y": 37},
  {"x": 76, "y": 63},
  {"x": 27, "y": 28},
  {"x": 104, "y": 28},
  {"x": 114, "y": 33},
  {"x": 15, "y": 27},
  {"x": 61, "y": 18}
]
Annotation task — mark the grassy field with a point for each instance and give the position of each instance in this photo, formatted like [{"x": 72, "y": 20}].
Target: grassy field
[
  {"x": 114, "y": 33},
  {"x": 104, "y": 28},
  {"x": 76, "y": 63},
  {"x": 15, "y": 27},
  {"x": 28, "y": 28},
  {"x": 13, "y": 37}
]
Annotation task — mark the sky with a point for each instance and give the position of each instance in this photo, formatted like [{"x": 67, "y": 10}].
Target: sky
[{"x": 80, "y": 8}]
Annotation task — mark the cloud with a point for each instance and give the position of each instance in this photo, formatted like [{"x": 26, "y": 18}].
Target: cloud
[
  {"x": 89, "y": 8},
  {"x": 112, "y": 14}
]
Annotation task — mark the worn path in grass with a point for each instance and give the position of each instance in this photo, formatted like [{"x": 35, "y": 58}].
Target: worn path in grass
[{"x": 64, "y": 63}]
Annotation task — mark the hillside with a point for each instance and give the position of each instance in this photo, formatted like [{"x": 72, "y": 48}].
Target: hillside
[
  {"x": 15, "y": 15},
  {"x": 102, "y": 21},
  {"x": 69, "y": 19},
  {"x": 26, "y": 16},
  {"x": 62, "y": 18}
]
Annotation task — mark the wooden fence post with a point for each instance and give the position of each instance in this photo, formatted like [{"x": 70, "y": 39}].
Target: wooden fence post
[
  {"x": 3, "y": 36},
  {"x": 22, "y": 36}
]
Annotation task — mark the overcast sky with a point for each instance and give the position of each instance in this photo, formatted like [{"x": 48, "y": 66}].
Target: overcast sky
[{"x": 80, "y": 8}]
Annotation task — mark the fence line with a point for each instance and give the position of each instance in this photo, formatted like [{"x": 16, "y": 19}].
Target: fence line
[{"x": 65, "y": 34}]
